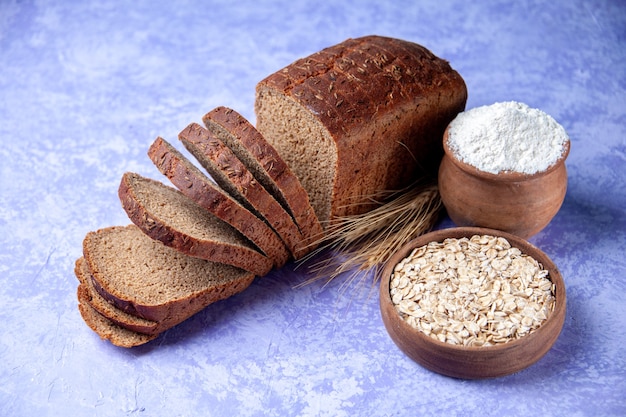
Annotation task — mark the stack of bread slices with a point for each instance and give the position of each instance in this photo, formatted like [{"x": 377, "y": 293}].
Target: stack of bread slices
[{"x": 332, "y": 129}]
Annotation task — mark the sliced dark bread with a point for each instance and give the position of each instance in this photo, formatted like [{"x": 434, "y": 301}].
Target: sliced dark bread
[
  {"x": 147, "y": 279},
  {"x": 105, "y": 328},
  {"x": 233, "y": 176},
  {"x": 267, "y": 166},
  {"x": 90, "y": 296},
  {"x": 167, "y": 215},
  {"x": 192, "y": 182}
]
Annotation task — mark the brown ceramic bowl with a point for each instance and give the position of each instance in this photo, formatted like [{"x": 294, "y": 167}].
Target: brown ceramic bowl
[
  {"x": 516, "y": 203},
  {"x": 472, "y": 362}
]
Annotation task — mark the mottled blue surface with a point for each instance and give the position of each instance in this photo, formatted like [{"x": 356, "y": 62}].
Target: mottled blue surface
[{"x": 85, "y": 87}]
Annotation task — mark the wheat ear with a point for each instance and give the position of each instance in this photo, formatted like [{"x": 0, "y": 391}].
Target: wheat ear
[{"x": 363, "y": 243}]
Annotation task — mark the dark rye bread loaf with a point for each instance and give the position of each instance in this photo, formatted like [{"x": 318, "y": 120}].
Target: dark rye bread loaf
[
  {"x": 206, "y": 193},
  {"x": 233, "y": 176},
  {"x": 267, "y": 166},
  {"x": 88, "y": 294},
  {"x": 144, "y": 278},
  {"x": 364, "y": 116},
  {"x": 167, "y": 215}
]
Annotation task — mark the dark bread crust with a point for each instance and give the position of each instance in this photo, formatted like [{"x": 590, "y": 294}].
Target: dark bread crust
[
  {"x": 226, "y": 252},
  {"x": 274, "y": 173},
  {"x": 385, "y": 102},
  {"x": 230, "y": 173},
  {"x": 197, "y": 186}
]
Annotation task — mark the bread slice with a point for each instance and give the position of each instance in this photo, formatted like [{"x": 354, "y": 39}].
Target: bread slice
[
  {"x": 147, "y": 279},
  {"x": 194, "y": 184},
  {"x": 232, "y": 175},
  {"x": 89, "y": 295},
  {"x": 361, "y": 117},
  {"x": 167, "y": 215},
  {"x": 267, "y": 167},
  {"x": 105, "y": 328}
]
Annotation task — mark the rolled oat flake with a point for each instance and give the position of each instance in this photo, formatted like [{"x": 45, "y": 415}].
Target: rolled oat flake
[{"x": 507, "y": 137}]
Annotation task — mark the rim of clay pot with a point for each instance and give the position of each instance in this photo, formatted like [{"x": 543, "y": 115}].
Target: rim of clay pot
[{"x": 503, "y": 175}]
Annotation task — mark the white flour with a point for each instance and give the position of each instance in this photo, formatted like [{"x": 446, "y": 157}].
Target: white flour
[{"x": 507, "y": 136}]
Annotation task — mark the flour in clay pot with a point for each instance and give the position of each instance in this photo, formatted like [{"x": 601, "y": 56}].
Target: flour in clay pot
[{"x": 507, "y": 137}]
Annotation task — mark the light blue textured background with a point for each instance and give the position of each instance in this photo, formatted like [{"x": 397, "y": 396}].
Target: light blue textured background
[{"x": 85, "y": 87}]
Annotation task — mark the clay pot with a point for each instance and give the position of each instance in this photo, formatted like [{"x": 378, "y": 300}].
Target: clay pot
[
  {"x": 513, "y": 202},
  {"x": 472, "y": 362}
]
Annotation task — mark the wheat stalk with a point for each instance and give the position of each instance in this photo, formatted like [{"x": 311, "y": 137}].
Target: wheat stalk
[{"x": 363, "y": 243}]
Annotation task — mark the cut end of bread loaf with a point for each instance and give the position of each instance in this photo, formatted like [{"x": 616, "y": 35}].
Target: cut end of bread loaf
[{"x": 305, "y": 145}]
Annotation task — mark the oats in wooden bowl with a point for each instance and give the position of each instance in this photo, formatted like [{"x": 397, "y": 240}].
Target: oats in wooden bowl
[{"x": 472, "y": 302}]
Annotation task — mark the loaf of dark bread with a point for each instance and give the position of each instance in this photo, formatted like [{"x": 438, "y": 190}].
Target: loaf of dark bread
[{"x": 361, "y": 117}]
